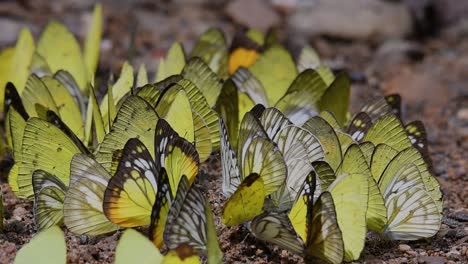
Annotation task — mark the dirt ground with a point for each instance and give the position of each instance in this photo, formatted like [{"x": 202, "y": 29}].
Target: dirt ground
[{"x": 431, "y": 75}]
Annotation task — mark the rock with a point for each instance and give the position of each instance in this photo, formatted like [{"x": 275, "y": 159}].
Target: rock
[
  {"x": 462, "y": 114},
  {"x": 391, "y": 54},
  {"x": 257, "y": 14},
  {"x": 19, "y": 213},
  {"x": 433, "y": 260},
  {"x": 359, "y": 19},
  {"x": 404, "y": 247},
  {"x": 412, "y": 253}
]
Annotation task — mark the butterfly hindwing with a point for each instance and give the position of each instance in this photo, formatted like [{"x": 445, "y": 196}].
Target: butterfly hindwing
[
  {"x": 82, "y": 209},
  {"x": 49, "y": 194}
]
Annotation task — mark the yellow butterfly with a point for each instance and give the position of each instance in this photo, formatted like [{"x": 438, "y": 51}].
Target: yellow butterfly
[{"x": 142, "y": 189}]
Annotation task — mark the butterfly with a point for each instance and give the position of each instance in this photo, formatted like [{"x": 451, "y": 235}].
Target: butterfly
[
  {"x": 411, "y": 194},
  {"x": 245, "y": 50},
  {"x": 34, "y": 251},
  {"x": 49, "y": 194},
  {"x": 309, "y": 229},
  {"x": 176, "y": 99},
  {"x": 260, "y": 171},
  {"x": 299, "y": 149},
  {"x": 47, "y": 146},
  {"x": 211, "y": 47},
  {"x": 143, "y": 188},
  {"x": 314, "y": 219},
  {"x": 82, "y": 207},
  {"x": 172, "y": 64},
  {"x": 190, "y": 222}
]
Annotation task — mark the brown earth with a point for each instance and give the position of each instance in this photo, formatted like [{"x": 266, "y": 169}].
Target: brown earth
[{"x": 431, "y": 75}]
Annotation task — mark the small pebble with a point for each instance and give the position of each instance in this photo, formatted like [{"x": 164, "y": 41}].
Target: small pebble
[
  {"x": 404, "y": 248},
  {"x": 412, "y": 253},
  {"x": 463, "y": 114},
  {"x": 19, "y": 213}
]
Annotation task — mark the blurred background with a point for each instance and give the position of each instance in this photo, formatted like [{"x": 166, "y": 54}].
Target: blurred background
[{"x": 418, "y": 48}]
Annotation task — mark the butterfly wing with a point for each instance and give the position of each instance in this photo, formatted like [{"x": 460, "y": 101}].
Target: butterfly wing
[
  {"x": 328, "y": 139},
  {"x": 354, "y": 162},
  {"x": 186, "y": 221},
  {"x": 160, "y": 209},
  {"x": 275, "y": 77},
  {"x": 359, "y": 125},
  {"x": 135, "y": 119},
  {"x": 246, "y": 202},
  {"x": 35, "y": 250},
  {"x": 388, "y": 130},
  {"x": 47, "y": 148},
  {"x": 134, "y": 247},
  {"x": 49, "y": 194},
  {"x": 211, "y": 47},
  {"x": 301, "y": 100},
  {"x": 82, "y": 209},
  {"x": 198, "y": 72},
  {"x": 131, "y": 192},
  {"x": 172, "y": 64},
  {"x": 230, "y": 168},
  {"x": 276, "y": 228},
  {"x": 177, "y": 155},
  {"x": 412, "y": 213}
]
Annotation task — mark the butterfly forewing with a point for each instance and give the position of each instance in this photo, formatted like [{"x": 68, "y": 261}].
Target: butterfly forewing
[
  {"x": 130, "y": 193},
  {"x": 186, "y": 221}
]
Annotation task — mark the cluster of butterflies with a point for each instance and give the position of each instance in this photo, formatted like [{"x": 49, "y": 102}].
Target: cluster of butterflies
[
  {"x": 316, "y": 189},
  {"x": 295, "y": 171}
]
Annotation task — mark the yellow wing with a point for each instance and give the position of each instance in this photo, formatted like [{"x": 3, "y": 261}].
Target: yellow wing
[
  {"x": 130, "y": 193},
  {"x": 275, "y": 70},
  {"x": 328, "y": 138},
  {"x": 246, "y": 202},
  {"x": 174, "y": 106},
  {"x": 350, "y": 192},
  {"x": 354, "y": 162},
  {"x": 133, "y": 247},
  {"x": 93, "y": 42},
  {"x": 388, "y": 130},
  {"x": 315, "y": 222},
  {"x": 301, "y": 100},
  {"x": 198, "y": 72},
  {"x": 15, "y": 125},
  {"x": 212, "y": 49},
  {"x": 36, "y": 250},
  {"x": 177, "y": 155},
  {"x": 207, "y": 116},
  {"x": 172, "y": 64},
  {"x": 44, "y": 147},
  {"x": 21, "y": 60},
  {"x": 135, "y": 119},
  {"x": 61, "y": 51}
]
